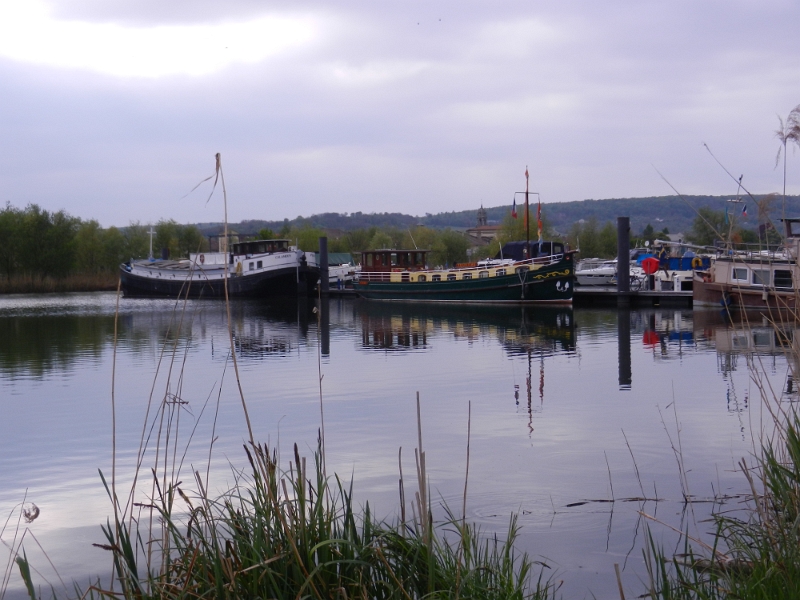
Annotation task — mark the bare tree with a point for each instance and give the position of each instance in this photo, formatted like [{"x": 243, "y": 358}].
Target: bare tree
[{"x": 789, "y": 131}]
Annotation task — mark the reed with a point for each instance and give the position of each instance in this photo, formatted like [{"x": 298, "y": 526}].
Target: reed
[
  {"x": 754, "y": 552},
  {"x": 294, "y": 534},
  {"x": 79, "y": 282}
]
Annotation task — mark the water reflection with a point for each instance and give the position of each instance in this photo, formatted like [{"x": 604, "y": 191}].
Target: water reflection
[
  {"x": 625, "y": 376},
  {"x": 404, "y": 327},
  {"x": 746, "y": 339},
  {"x": 550, "y": 391},
  {"x": 36, "y": 345}
]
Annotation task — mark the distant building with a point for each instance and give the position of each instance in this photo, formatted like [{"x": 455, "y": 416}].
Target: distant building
[
  {"x": 483, "y": 233},
  {"x": 218, "y": 243}
]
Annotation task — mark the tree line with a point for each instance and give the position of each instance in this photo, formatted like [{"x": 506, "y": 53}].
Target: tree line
[{"x": 39, "y": 243}]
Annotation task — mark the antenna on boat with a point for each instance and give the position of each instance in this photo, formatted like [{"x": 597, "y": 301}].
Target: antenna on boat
[
  {"x": 151, "y": 233},
  {"x": 412, "y": 239}
]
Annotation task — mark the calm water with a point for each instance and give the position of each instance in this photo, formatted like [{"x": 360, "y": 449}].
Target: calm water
[{"x": 565, "y": 404}]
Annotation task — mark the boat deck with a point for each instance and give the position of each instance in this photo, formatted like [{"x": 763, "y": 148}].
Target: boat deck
[{"x": 605, "y": 296}]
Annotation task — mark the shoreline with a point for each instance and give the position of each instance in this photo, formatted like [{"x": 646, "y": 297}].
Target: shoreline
[{"x": 26, "y": 284}]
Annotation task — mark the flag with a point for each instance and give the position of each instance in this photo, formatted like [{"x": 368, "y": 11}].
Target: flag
[
  {"x": 539, "y": 219},
  {"x": 744, "y": 210},
  {"x": 726, "y": 214},
  {"x": 514, "y": 209}
]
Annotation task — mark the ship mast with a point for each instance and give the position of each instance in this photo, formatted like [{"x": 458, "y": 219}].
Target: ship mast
[{"x": 527, "y": 218}]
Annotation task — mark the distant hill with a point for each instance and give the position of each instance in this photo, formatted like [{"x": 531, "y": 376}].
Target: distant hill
[{"x": 672, "y": 212}]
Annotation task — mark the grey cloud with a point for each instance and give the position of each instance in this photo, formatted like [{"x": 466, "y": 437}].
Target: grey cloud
[{"x": 380, "y": 113}]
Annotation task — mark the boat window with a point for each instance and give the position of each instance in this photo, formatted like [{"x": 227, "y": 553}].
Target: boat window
[
  {"x": 794, "y": 228},
  {"x": 499, "y": 272},
  {"x": 420, "y": 259},
  {"x": 520, "y": 269},
  {"x": 451, "y": 277},
  {"x": 466, "y": 276},
  {"x": 436, "y": 278},
  {"x": 394, "y": 259},
  {"x": 760, "y": 276},
  {"x": 258, "y": 265},
  {"x": 739, "y": 274},
  {"x": 422, "y": 278},
  {"x": 483, "y": 274},
  {"x": 262, "y": 248},
  {"x": 762, "y": 338},
  {"x": 783, "y": 278},
  {"x": 250, "y": 266},
  {"x": 369, "y": 260}
]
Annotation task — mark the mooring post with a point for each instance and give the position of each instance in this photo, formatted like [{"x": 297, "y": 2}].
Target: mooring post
[
  {"x": 623, "y": 262},
  {"x": 324, "y": 281}
]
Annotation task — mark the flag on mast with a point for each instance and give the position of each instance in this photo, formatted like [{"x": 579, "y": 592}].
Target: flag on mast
[
  {"x": 514, "y": 208},
  {"x": 539, "y": 219},
  {"x": 744, "y": 210}
]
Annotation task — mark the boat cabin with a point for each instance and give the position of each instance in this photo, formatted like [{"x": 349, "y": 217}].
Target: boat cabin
[
  {"x": 792, "y": 228},
  {"x": 517, "y": 250},
  {"x": 260, "y": 247},
  {"x": 375, "y": 261}
]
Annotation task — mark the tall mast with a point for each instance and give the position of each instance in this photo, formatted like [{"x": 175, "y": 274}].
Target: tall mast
[{"x": 527, "y": 218}]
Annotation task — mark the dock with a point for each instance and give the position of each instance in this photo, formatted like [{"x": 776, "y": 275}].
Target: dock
[{"x": 608, "y": 296}]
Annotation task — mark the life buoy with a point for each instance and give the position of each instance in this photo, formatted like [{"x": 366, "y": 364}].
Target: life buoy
[
  {"x": 202, "y": 259},
  {"x": 697, "y": 262}
]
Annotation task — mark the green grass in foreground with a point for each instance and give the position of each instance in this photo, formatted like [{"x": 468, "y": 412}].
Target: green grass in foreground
[
  {"x": 292, "y": 534},
  {"x": 752, "y": 557}
]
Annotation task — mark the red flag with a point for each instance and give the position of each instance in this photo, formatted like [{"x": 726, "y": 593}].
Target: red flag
[
  {"x": 539, "y": 219},
  {"x": 514, "y": 209}
]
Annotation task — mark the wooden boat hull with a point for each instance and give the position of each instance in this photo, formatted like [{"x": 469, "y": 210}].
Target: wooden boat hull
[
  {"x": 551, "y": 284},
  {"x": 721, "y": 295},
  {"x": 286, "y": 281}
]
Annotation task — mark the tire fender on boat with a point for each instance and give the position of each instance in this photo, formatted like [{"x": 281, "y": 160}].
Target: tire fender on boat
[{"x": 697, "y": 262}]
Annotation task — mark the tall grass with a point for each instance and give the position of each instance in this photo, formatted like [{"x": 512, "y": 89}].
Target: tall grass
[
  {"x": 754, "y": 552},
  {"x": 79, "y": 282},
  {"x": 294, "y": 534}
]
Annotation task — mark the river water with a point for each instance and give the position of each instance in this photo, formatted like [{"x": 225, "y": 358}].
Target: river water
[{"x": 567, "y": 407}]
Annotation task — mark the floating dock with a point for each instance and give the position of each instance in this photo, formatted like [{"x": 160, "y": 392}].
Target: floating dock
[{"x": 609, "y": 296}]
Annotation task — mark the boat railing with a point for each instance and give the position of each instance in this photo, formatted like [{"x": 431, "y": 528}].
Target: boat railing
[
  {"x": 750, "y": 249},
  {"x": 405, "y": 274}
]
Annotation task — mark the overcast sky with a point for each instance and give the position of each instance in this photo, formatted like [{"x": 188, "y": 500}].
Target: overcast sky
[{"x": 114, "y": 109}]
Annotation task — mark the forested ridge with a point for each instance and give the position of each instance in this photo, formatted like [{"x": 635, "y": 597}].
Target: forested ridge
[
  {"x": 673, "y": 212},
  {"x": 38, "y": 246}
]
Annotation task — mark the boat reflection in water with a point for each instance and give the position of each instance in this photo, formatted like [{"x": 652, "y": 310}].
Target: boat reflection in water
[
  {"x": 532, "y": 332},
  {"x": 404, "y": 327},
  {"x": 750, "y": 337}
]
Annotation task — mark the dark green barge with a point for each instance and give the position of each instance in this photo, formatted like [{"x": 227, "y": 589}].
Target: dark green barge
[{"x": 403, "y": 276}]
